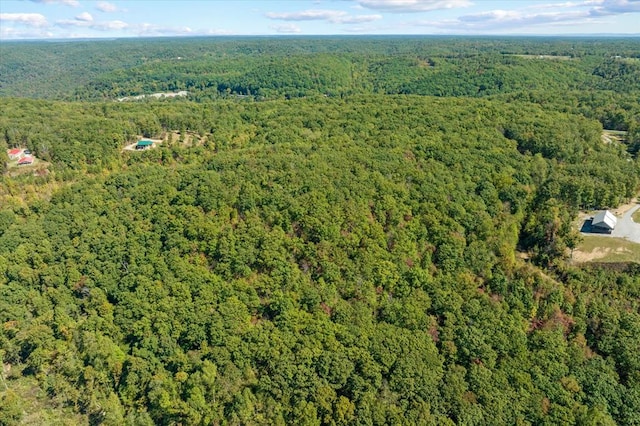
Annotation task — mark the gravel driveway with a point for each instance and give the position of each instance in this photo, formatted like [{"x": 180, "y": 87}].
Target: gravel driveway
[{"x": 625, "y": 228}]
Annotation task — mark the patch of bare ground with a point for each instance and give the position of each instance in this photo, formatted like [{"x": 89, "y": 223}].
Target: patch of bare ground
[
  {"x": 186, "y": 139},
  {"x": 425, "y": 63},
  {"x": 552, "y": 57},
  {"x": 611, "y": 136},
  {"x": 597, "y": 253},
  {"x": 606, "y": 138},
  {"x": 596, "y": 248}
]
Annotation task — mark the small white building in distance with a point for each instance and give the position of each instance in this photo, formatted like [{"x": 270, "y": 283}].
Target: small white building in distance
[{"x": 604, "y": 221}]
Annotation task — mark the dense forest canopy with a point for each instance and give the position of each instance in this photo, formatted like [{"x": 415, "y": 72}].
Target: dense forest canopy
[{"x": 333, "y": 230}]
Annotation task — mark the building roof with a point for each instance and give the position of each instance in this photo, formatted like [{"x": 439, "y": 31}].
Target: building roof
[
  {"x": 145, "y": 142},
  {"x": 14, "y": 151},
  {"x": 26, "y": 160},
  {"x": 604, "y": 219}
]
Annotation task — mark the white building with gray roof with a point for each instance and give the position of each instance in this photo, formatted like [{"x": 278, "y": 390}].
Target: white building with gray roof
[{"x": 604, "y": 221}]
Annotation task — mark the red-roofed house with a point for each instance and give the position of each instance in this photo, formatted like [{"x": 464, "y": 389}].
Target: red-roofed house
[
  {"x": 14, "y": 153},
  {"x": 24, "y": 161}
]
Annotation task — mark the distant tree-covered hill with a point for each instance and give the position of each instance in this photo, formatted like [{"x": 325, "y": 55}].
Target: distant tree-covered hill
[{"x": 267, "y": 68}]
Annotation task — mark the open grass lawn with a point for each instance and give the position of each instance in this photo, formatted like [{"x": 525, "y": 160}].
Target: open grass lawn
[
  {"x": 606, "y": 249},
  {"x": 636, "y": 217},
  {"x": 14, "y": 170},
  {"x": 13, "y": 164}
]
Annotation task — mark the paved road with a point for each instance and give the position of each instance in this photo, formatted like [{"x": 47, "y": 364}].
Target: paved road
[{"x": 625, "y": 228}]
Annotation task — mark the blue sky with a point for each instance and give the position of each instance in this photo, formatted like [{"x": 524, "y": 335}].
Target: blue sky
[{"x": 42, "y": 19}]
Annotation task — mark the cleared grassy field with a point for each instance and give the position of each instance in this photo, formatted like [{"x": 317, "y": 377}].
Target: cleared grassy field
[
  {"x": 636, "y": 217},
  {"x": 13, "y": 164},
  {"x": 13, "y": 169},
  {"x": 606, "y": 249}
]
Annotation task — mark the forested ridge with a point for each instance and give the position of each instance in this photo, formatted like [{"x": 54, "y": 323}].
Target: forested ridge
[
  {"x": 276, "y": 67},
  {"x": 360, "y": 250}
]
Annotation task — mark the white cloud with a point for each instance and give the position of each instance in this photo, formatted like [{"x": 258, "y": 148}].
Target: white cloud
[
  {"x": 526, "y": 18},
  {"x": 72, "y": 3},
  {"x": 106, "y": 7},
  {"x": 614, "y": 7},
  {"x": 71, "y": 23},
  {"x": 538, "y": 6},
  {"x": 214, "y": 31},
  {"x": 7, "y": 33},
  {"x": 124, "y": 28},
  {"x": 593, "y": 7},
  {"x": 412, "y": 6},
  {"x": 512, "y": 18},
  {"x": 308, "y": 15},
  {"x": 366, "y": 29},
  {"x": 359, "y": 19},
  {"x": 498, "y": 16},
  {"x": 84, "y": 17},
  {"x": 110, "y": 25},
  {"x": 332, "y": 16},
  {"x": 29, "y": 19},
  {"x": 287, "y": 28},
  {"x": 500, "y": 20},
  {"x": 98, "y": 26},
  {"x": 147, "y": 30}
]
